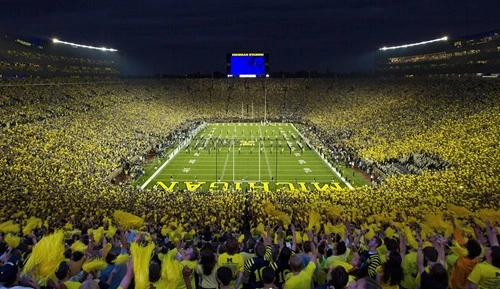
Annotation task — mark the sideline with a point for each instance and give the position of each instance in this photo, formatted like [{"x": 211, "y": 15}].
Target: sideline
[
  {"x": 324, "y": 159},
  {"x": 174, "y": 153}
]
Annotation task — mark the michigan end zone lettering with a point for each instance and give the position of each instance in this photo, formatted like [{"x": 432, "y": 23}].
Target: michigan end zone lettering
[{"x": 262, "y": 186}]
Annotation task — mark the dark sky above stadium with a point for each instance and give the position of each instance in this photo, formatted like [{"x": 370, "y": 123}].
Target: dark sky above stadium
[{"x": 174, "y": 36}]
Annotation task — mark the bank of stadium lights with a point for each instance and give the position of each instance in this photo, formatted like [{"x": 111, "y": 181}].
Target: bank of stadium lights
[
  {"x": 55, "y": 40},
  {"x": 415, "y": 44}
]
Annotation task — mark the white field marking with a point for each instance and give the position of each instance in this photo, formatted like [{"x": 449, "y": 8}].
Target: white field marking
[
  {"x": 173, "y": 154},
  {"x": 267, "y": 160},
  {"x": 225, "y": 166},
  {"x": 326, "y": 162}
]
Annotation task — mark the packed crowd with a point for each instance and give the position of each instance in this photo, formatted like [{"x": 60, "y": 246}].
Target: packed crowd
[
  {"x": 112, "y": 253},
  {"x": 60, "y": 143}
]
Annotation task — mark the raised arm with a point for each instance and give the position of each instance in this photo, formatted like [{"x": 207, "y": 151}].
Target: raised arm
[
  {"x": 294, "y": 237},
  {"x": 314, "y": 252},
  {"x": 128, "y": 276},
  {"x": 492, "y": 234},
  {"x": 266, "y": 236},
  {"x": 440, "y": 243},
  {"x": 481, "y": 239},
  {"x": 420, "y": 255},
  {"x": 123, "y": 239},
  {"x": 402, "y": 246}
]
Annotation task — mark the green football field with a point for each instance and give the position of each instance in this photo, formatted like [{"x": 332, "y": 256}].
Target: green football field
[{"x": 244, "y": 156}]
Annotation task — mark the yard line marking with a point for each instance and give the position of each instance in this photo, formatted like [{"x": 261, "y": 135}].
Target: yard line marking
[
  {"x": 267, "y": 160},
  {"x": 224, "y": 168}
]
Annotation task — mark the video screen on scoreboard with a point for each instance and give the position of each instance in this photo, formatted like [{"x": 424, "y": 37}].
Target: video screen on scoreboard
[{"x": 247, "y": 65}]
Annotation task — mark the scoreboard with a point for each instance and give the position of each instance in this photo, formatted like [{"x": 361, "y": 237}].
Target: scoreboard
[{"x": 244, "y": 64}]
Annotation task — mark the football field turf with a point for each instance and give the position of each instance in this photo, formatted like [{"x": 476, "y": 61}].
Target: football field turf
[{"x": 245, "y": 156}]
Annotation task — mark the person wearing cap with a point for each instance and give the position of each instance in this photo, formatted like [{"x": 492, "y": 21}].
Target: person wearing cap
[{"x": 9, "y": 275}]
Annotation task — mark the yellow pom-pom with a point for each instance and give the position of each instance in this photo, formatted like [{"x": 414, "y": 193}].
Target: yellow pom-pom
[
  {"x": 369, "y": 234},
  {"x": 260, "y": 229},
  {"x": 334, "y": 212},
  {"x": 110, "y": 233},
  {"x": 78, "y": 246},
  {"x": 12, "y": 240},
  {"x": 69, "y": 234},
  {"x": 98, "y": 234},
  {"x": 281, "y": 216},
  {"x": 164, "y": 230},
  {"x": 328, "y": 228},
  {"x": 122, "y": 258},
  {"x": 31, "y": 224},
  {"x": 339, "y": 229},
  {"x": 458, "y": 211},
  {"x": 68, "y": 226},
  {"x": 458, "y": 250},
  {"x": 97, "y": 264},
  {"x": 489, "y": 215},
  {"x": 314, "y": 218},
  {"x": 142, "y": 257},
  {"x": 10, "y": 227},
  {"x": 17, "y": 215},
  {"x": 389, "y": 232},
  {"x": 46, "y": 256},
  {"x": 171, "y": 269},
  {"x": 128, "y": 220},
  {"x": 107, "y": 220},
  {"x": 241, "y": 238},
  {"x": 480, "y": 223},
  {"x": 410, "y": 237},
  {"x": 437, "y": 222}
]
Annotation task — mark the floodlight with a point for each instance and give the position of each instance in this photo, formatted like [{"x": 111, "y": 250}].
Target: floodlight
[
  {"x": 55, "y": 40},
  {"x": 415, "y": 44}
]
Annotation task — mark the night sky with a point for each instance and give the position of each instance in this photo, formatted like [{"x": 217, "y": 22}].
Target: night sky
[{"x": 194, "y": 35}]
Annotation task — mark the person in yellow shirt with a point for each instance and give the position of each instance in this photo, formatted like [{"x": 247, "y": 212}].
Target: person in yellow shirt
[
  {"x": 341, "y": 253},
  {"x": 207, "y": 267},
  {"x": 486, "y": 275},
  {"x": 301, "y": 278},
  {"x": 233, "y": 260}
]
